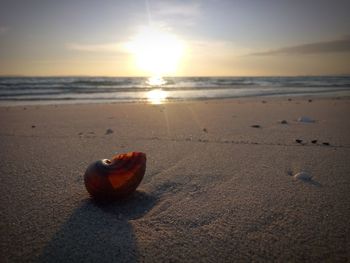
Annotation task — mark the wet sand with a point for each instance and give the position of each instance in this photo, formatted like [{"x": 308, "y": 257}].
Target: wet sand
[{"x": 219, "y": 183}]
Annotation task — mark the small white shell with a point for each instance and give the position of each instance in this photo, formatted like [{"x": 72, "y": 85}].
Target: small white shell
[
  {"x": 303, "y": 176},
  {"x": 305, "y": 119}
]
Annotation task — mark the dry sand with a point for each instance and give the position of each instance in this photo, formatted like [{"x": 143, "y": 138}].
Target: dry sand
[{"x": 215, "y": 189}]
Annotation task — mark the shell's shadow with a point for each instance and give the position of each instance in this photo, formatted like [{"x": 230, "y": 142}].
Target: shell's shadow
[
  {"x": 99, "y": 232},
  {"x": 133, "y": 208},
  {"x": 312, "y": 182}
]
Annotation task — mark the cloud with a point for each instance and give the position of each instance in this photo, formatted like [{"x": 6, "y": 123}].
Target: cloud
[
  {"x": 211, "y": 47},
  {"x": 174, "y": 13},
  {"x": 3, "y": 30},
  {"x": 106, "y": 47},
  {"x": 172, "y": 8},
  {"x": 334, "y": 46}
]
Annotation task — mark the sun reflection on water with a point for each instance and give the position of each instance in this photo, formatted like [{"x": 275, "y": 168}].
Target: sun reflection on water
[
  {"x": 157, "y": 95},
  {"x": 156, "y": 81}
]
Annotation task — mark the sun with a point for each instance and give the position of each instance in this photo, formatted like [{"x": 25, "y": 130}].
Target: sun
[{"x": 156, "y": 52}]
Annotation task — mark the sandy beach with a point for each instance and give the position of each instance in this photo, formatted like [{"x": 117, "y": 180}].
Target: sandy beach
[{"x": 216, "y": 189}]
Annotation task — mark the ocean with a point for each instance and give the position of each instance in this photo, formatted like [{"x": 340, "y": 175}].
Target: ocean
[{"x": 63, "y": 90}]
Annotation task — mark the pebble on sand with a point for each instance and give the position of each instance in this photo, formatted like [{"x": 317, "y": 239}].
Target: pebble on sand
[
  {"x": 303, "y": 175},
  {"x": 109, "y": 131},
  {"x": 256, "y": 126},
  {"x": 299, "y": 140},
  {"x": 305, "y": 119},
  {"x": 284, "y": 122},
  {"x": 314, "y": 141},
  {"x": 205, "y": 130}
]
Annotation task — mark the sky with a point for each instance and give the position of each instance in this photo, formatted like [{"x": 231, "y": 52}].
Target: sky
[{"x": 188, "y": 37}]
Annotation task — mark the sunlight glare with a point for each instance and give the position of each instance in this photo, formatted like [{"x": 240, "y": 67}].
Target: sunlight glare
[{"x": 156, "y": 52}]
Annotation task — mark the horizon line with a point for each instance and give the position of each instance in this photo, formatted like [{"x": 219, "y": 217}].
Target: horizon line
[{"x": 184, "y": 76}]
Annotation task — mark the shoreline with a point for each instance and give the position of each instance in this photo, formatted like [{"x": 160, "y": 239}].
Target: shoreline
[{"x": 333, "y": 96}]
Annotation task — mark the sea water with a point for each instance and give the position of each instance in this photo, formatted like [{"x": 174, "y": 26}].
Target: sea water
[{"x": 59, "y": 90}]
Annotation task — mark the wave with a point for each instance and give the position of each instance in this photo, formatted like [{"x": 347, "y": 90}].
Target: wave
[{"x": 135, "y": 89}]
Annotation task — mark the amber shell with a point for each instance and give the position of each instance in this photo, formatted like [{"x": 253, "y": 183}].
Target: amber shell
[{"x": 117, "y": 178}]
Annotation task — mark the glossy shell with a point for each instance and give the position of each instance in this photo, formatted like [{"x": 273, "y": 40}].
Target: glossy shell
[{"x": 117, "y": 178}]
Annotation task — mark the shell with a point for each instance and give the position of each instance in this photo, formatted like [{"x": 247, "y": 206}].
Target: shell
[
  {"x": 305, "y": 119},
  {"x": 303, "y": 175},
  {"x": 117, "y": 178}
]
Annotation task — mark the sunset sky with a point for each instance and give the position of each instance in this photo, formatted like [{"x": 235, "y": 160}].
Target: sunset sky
[{"x": 181, "y": 38}]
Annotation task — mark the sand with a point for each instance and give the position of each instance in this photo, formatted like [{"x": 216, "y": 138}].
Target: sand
[{"x": 216, "y": 189}]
